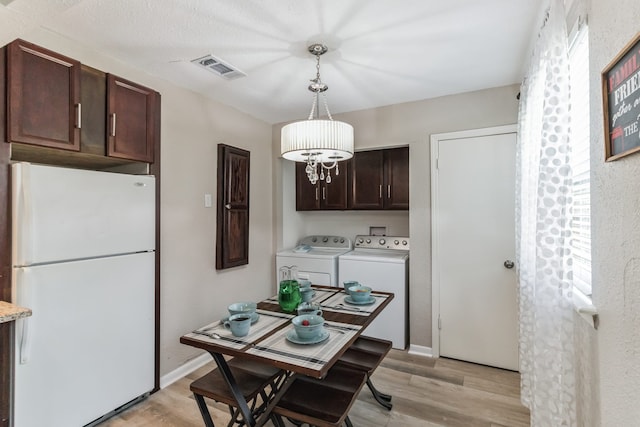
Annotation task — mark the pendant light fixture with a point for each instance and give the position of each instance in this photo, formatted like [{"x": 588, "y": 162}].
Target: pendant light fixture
[{"x": 320, "y": 143}]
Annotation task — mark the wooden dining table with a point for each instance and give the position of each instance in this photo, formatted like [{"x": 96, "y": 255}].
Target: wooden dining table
[{"x": 268, "y": 342}]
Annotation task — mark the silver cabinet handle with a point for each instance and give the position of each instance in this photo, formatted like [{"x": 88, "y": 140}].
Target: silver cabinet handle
[
  {"x": 113, "y": 124},
  {"x": 380, "y": 192},
  {"x": 388, "y": 191},
  {"x": 79, "y": 116},
  {"x": 316, "y": 193},
  {"x": 509, "y": 264},
  {"x": 324, "y": 193},
  {"x": 227, "y": 207}
]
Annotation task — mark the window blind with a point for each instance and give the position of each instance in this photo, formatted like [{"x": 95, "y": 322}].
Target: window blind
[{"x": 580, "y": 163}]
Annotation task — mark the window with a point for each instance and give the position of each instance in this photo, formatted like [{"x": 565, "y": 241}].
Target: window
[{"x": 580, "y": 145}]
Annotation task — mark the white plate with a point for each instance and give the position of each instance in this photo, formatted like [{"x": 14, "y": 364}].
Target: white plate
[
  {"x": 351, "y": 301},
  {"x": 254, "y": 318},
  {"x": 294, "y": 338}
]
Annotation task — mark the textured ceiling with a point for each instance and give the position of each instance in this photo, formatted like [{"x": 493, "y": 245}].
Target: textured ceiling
[{"x": 381, "y": 52}]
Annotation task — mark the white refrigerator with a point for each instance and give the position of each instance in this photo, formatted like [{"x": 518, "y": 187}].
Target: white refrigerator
[{"x": 84, "y": 262}]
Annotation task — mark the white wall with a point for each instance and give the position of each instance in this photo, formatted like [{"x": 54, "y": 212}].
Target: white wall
[
  {"x": 615, "y": 201},
  {"x": 397, "y": 125},
  {"x": 192, "y": 291}
]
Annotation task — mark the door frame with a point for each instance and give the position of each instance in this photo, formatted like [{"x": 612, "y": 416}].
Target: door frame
[{"x": 435, "y": 269}]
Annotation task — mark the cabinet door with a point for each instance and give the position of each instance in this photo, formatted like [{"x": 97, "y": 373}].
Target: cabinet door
[
  {"x": 43, "y": 97},
  {"x": 333, "y": 196},
  {"x": 397, "y": 178},
  {"x": 367, "y": 179},
  {"x": 307, "y": 194},
  {"x": 131, "y": 110}
]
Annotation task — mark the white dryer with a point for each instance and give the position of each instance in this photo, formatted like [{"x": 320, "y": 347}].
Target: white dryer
[
  {"x": 316, "y": 258},
  {"x": 382, "y": 263}
]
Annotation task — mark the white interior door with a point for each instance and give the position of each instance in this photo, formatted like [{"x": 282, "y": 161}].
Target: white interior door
[{"x": 474, "y": 246}]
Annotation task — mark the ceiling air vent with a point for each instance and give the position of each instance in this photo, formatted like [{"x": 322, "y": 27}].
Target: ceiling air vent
[{"x": 219, "y": 67}]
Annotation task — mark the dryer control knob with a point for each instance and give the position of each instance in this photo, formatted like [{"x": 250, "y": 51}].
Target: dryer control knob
[
  {"x": 382, "y": 241},
  {"x": 396, "y": 242},
  {"x": 404, "y": 243},
  {"x": 315, "y": 239},
  {"x": 368, "y": 240},
  {"x": 325, "y": 239},
  {"x": 335, "y": 240},
  {"x": 361, "y": 241},
  {"x": 342, "y": 240}
]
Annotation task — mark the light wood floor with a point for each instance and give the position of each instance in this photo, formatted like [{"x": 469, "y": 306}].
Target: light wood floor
[{"x": 426, "y": 392}]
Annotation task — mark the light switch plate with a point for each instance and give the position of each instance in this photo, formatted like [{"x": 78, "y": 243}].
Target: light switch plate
[{"x": 208, "y": 201}]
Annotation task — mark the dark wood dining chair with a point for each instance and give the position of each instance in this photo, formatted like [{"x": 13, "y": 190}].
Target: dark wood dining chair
[
  {"x": 366, "y": 354},
  {"x": 257, "y": 382},
  {"x": 321, "y": 403}
]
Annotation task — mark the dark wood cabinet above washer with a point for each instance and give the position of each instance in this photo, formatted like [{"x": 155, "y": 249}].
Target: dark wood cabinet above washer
[
  {"x": 321, "y": 196},
  {"x": 380, "y": 180},
  {"x": 371, "y": 180}
]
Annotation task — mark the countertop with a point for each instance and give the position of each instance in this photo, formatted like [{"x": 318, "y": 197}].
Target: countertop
[{"x": 9, "y": 312}]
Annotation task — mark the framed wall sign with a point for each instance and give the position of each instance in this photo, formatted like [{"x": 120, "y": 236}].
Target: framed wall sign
[{"x": 621, "y": 102}]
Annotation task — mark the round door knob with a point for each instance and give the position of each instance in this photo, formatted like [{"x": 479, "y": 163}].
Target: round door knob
[{"x": 509, "y": 264}]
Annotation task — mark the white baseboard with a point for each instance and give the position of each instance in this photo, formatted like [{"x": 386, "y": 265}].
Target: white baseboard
[
  {"x": 186, "y": 369},
  {"x": 419, "y": 350}
]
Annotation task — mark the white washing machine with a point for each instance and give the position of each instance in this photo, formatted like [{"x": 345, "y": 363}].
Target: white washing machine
[
  {"x": 316, "y": 258},
  {"x": 382, "y": 263}
]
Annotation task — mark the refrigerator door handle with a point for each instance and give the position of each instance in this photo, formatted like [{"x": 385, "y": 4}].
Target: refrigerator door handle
[
  {"x": 22, "y": 214},
  {"x": 25, "y": 341},
  {"x": 22, "y": 325}
]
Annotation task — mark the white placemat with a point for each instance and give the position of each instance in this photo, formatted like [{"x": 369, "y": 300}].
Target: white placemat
[
  {"x": 267, "y": 322},
  {"x": 313, "y": 356},
  {"x": 338, "y": 304}
]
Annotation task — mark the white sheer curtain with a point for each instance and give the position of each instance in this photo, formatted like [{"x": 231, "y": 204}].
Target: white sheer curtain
[{"x": 543, "y": 204}]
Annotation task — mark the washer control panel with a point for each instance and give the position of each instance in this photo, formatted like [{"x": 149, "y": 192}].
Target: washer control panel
[
  {"x": 337, "y": 242},
  {"x": 382, "y": 242}
]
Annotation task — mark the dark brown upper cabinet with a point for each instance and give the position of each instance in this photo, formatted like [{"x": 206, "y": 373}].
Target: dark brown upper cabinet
[
  {"x": 43, "y": 97},
  {"x": 232, "y": 237},
  {"x": 380, "y": 180},
  {"x": 367, "y": 180},
  {"x": 396, "y": 178},
  {"x": 131, "y": 126},
  {"x": 321, "y": 196}
]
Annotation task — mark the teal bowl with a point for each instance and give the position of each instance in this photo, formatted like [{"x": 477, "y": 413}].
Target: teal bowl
[
  {"x": 242, "y": 308},
  {"x": 310, "y": 331},
  {"x": 349, "y": 283},
  {"x": 360, "y": 293}
]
